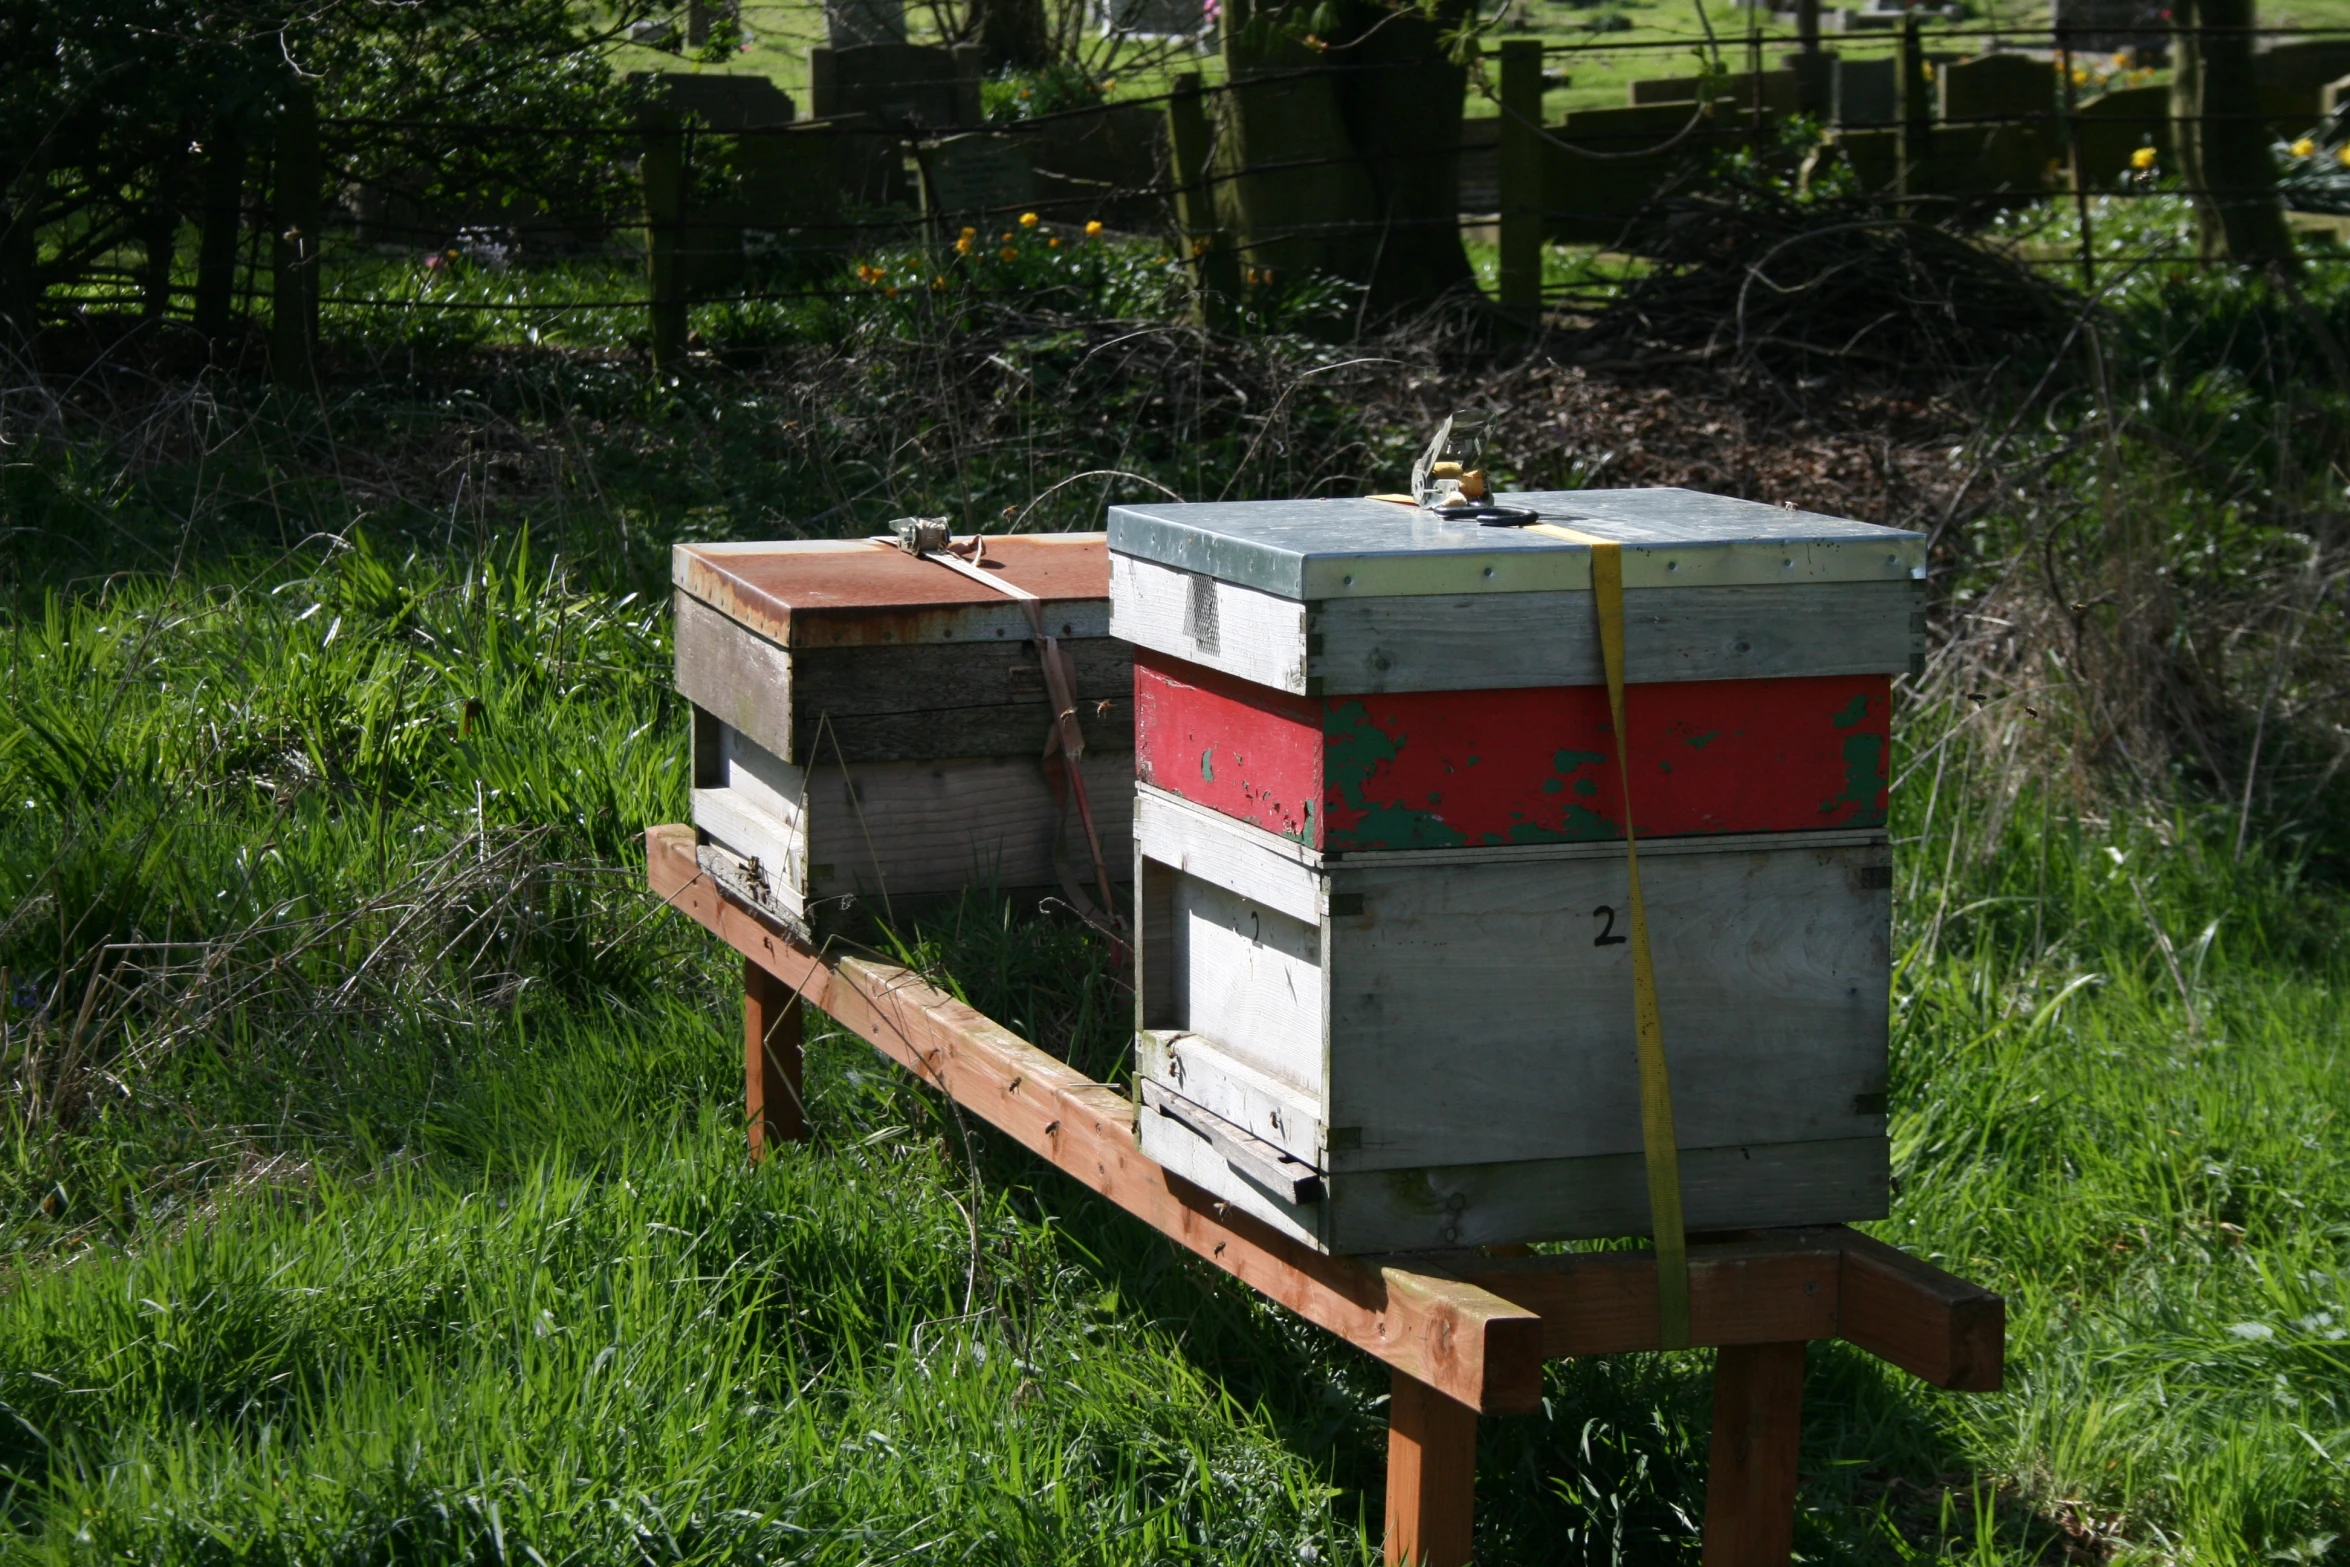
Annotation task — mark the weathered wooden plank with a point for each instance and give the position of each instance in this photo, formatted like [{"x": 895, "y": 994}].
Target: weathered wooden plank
[
  {"x": 1259, "y": 1162},
  {"x": 1194, "y": 617},
  {"x": 899, "y": 828},
  {"x": 1281, "y": 1113},
  {"x": 737, "y": 676},
  {"x": 1495, "y": 641},
  {"x": 1670, "y": 634},
  {"x": 1772, "y": 974},
  {"x": 773, "y": 1100},
  {"x": 1449, "y": 1334},
  {"x": 1750, "y": 1473},
  {"x": 1772, "y": 969},
  {"x": 772, "y": 852},
  {"x": 1909, "y": 1312},
  {"x": 888, "y": 703},
  {"x": 1763, "y": 1291},
  {"x": 1276, "y": 872},
  {"x": 1431, "y": 1476},
  {"x": 1250, "y": 978},
  {"x": 1488, "y": 1203}
]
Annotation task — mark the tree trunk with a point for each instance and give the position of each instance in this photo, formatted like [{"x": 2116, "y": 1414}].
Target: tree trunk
[
  {"x": 2222, "y": 139},
  {"x": 159, "y": 231},
  {"x": 1345, "y": 160},
  {"x": 1403, "y": 103},
  {"x": 20, "y": 250},
  {"x": 1012, "y": 35},
  {"x": 223, "y": 217}
]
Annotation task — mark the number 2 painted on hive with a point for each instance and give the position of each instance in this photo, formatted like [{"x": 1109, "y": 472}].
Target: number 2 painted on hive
[{"x": 1607, "y": 936}]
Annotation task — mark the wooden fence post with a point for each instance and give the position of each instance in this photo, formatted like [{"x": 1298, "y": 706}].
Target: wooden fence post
[
  {"x": 299, "y": 214},
  {"x": 773, "y": 1026},
  {"x": 223, "y": 218},
  {"x": 20, "y": 247},
  {"x": 1750, "y": 1480},
  {"x": 664, "y": 177},
  {"x": 1913, "y": 145},
  {"x": 1215, "y": 265},
  {"x": 1519, "y": 272},
  {"x": 1431, "y": 1476}
]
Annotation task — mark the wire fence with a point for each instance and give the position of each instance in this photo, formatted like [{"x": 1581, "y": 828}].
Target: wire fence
[{"x": 775, "y": 213}]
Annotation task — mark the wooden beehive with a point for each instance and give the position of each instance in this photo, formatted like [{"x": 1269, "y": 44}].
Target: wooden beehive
[
  {"x": 1384, "y": 995},
  {"x": 869, "y": 726}
]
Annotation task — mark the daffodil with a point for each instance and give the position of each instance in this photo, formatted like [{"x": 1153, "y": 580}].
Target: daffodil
[
  {"x": 1008, "y": 254},
  {"x": 1093, "y": 228},
  {"x": 2142, "y": 159},
  {"x": 2304, "y": 147},
  {"x": 2342, "y": 155},
  {"x": 963, "y": 246},
  {"x": 1028, "y": 220}
]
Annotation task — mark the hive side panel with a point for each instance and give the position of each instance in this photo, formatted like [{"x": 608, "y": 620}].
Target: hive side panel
[
  {"x": 1187, "y": 615},
  {"x": 1484, "y": 1012},
  {"x": 1252, "y": 979},
  {"x": 915, "y": 828},
  {"x": 897, "y": 704},
  {"x": 1513, "y": 640},
  {"x": 1274, "y": 871},
  {"x": 737, "y": 676},
  {"x": 1757, "y": 1186}
]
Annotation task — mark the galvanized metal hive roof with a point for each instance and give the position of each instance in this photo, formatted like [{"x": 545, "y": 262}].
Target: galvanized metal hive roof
[{"x": 1360, "y": 548}]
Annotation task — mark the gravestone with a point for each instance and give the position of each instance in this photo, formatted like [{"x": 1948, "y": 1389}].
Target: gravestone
[
  {"x": 1863, "y": 92},
  {"x": 850, "y": 24},
  {"x": 979, "y": 176},
  {"x": 1166, "y": 19},
  {"x": 2110, "y": 26},
  {"x": 1779, "y": 90},
  {"x": 2293, "y": 78},
  {"x": 723, "y": 103},
  {"x": 1998, "y": 87},
  {"x": 898, "y": 85}
]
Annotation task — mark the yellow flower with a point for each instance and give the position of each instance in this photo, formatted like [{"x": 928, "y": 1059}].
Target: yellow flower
[
  {"x": 970, "y": 233},
  {"x": 1052, "y": 244},
  {"x": 938, "y": 285},
  {"x": 2304, "y": 147},
  {"x": 1093, "y": 228},
  {"x": 2121, "y": 59},
  {"x": 2342, "y": 155},
  {"x": 2080, "y": 76},
  {"x": 1007, "y": 233},
  {"x": 963, "y": 246},
  {"x": 1111, "y": 85},
  {"x": 1028, "y": 220},
  {"x": 891, "y": 291},
  {"x": 1008, "y": 253},
  {"x": 2142, "y": 159},
  {"x": 869, "y": 274}
]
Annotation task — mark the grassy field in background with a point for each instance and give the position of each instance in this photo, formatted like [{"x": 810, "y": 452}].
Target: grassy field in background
[{"x": 1643, "y": 39}]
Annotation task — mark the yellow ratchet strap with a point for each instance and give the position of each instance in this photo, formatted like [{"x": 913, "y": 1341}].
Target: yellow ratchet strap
[{"x": 1662, "y": 1148}]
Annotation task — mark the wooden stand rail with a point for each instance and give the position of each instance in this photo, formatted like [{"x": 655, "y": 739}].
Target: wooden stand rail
[{"x": 1465, "y": 1333}]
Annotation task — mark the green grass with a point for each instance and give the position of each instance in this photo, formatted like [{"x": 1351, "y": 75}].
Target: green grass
[
  {"x": 442, "y": 1275},
  {"x": 371, "y": 1184}
]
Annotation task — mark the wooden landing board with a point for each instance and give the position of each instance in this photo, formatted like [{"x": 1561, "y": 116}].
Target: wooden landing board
[
  {"x": 1446, "y": 769},
  {"x": 1473, "y": 1327}
]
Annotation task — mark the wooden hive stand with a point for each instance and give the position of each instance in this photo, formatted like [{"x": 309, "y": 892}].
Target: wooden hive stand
[{"x": 1464, "y": 1333}]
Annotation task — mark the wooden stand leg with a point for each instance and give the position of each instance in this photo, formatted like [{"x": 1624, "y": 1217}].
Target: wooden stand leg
[
  {"x": 1758, "y": 1426},
  {"x": 771, "y": 1060},
  {"x": 1431, "y": 1476}
]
